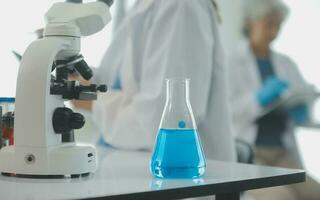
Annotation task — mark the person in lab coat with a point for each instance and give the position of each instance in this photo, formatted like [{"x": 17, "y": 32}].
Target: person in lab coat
[
  {"x": 161, "y": 39},
  {"x": 256, "y": 67},
  {"x": 259, "y": 77}
]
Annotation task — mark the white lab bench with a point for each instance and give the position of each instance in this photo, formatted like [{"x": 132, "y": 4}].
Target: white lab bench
[{"x": 125, "y": 175}]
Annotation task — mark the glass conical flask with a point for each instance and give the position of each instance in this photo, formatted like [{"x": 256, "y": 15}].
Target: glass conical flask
[{"x": 177, "y": 152}]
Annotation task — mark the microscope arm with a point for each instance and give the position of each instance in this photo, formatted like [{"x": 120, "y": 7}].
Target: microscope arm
[
  {"x": 43, "y": 126},
  {"x": 33, "y": 100}
]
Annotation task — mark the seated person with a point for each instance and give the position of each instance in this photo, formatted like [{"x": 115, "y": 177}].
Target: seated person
[{"x": 259, "y": 77}]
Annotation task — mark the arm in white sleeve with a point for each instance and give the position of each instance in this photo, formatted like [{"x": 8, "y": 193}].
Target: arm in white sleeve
[
  {"x": 179, "y": 44},
  {"x": 297, "y": 82},
  {"x": 244, "y": 105}
]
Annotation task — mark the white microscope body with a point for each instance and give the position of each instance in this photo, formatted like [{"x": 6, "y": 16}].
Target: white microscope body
[{"x": 38, "y": 147}]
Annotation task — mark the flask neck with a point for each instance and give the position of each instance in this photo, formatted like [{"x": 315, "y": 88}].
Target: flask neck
[
  {"x": 177, "y": 113},
  {"x": 178, "y": 91}
]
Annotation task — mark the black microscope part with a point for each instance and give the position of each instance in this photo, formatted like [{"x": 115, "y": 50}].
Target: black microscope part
[
  {"x": 73, "y": 64},
  {"x": 64, "y": 120},
  {"x": 73, "y": 90},
  {"x": 102, "y": 88},
  {"x": 60, "y": 85},
  {"x": 68, "y": 137},
  {"x": 93, "y": 88},
  {"x": 84, "y": 70},
  {"x": 76, "y": 121}
]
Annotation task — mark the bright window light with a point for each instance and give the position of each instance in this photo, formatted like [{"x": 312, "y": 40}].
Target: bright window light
[
  {"x": 19, "y": 20},
  {"x": 300, "y": 38}
]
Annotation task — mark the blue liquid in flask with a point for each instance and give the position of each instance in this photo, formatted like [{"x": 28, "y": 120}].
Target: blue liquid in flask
[{"x": 178, "y": 154}]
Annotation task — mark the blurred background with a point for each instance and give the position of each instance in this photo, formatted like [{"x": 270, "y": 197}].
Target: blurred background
[{"x": 299, "y": 38}]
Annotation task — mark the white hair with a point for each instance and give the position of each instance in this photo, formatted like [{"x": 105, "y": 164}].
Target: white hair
[{"x": 257, "y": 9}]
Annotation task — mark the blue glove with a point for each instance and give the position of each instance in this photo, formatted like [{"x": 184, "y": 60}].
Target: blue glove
[
  {"x": 117, "y": 83},
  {"x": 299, "y": 114},
  {"x": 272, "y": 89}
]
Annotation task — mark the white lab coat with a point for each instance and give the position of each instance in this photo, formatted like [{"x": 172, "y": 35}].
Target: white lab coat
[
  {"x": 160, "y": 39},
  {"x": 245, "y": 82}
]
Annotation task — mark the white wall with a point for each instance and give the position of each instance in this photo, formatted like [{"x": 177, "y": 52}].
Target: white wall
[
  {"x": 19, "y": 19},
  {"x": 299, "y": 38}
]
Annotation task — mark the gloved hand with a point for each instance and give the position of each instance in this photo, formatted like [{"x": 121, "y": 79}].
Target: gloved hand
[
  {"x": 117, "y": 83},
  {"x": 299, "y": 114},
  {"x": 272, "y": 89}
]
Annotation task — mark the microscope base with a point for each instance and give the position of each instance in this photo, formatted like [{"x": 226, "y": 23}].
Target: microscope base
[{"x": 65, "y": 160}]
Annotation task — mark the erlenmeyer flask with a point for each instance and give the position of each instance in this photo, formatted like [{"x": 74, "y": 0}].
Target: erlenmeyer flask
[{"x": 178, "y": 152}]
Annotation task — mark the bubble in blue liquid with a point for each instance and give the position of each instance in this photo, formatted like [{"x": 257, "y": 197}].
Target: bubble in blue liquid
[
  {"x": 182, "y": 124},
  {"x": 178, "y": 154}
]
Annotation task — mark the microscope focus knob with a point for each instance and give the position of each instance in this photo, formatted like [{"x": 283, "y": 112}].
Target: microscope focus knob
[
  {"x": 76, "y": 121},
  {"x": 102, "y": 88},
  {"x": 65, "y": 120}
]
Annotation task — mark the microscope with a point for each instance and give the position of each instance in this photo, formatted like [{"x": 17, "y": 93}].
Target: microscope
[{"x": 44, "y": 143}]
